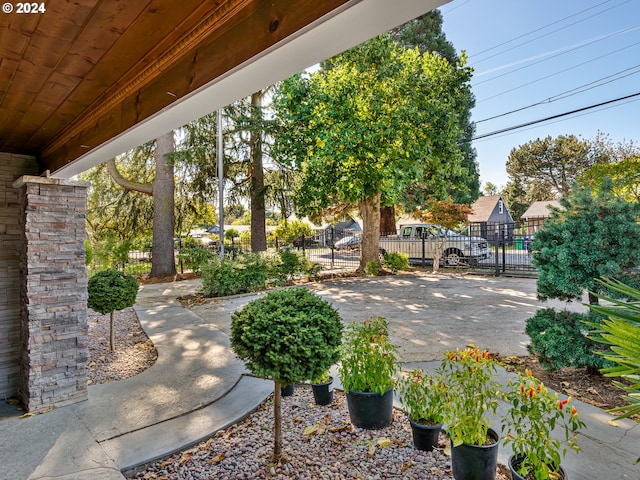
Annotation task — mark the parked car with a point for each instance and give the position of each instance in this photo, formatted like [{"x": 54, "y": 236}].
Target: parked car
[
  {"x": 456, "y": 248},
  {"x": 349, "y": 243}
]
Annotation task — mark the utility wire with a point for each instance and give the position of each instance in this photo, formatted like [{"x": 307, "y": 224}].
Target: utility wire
[
  {"x": 533, "y": 122},
  {"x": 560, "y": 120},
  {"x": 562, "y": 52},
  {"x": 546, "y": 34},
  {"x": 568, "y": 93},
  {"x": 607, "y": 54}
]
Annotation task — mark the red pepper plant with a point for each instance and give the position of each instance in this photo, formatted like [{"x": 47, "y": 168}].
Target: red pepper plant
[
  {"x": 369, "y": 361},
  {"x": 534, "y": 414},
  {"x": 424, "y": 397},
  {"x": 473, "y": 393}
]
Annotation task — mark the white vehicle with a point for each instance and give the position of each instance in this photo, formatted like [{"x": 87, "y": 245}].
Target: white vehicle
[{"x": 456, "y": 248}]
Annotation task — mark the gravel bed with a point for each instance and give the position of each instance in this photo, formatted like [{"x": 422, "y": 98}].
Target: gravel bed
[
  {"x": 134, "y": 351},
  {"x": 336, "y": 451}
]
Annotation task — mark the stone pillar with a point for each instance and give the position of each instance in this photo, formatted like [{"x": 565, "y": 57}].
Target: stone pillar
[{"x": 54, "y": 325}]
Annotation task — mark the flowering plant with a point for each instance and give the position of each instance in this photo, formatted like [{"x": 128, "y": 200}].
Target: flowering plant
[
  {"x": 369, "y": 359},
  {"x": 534, "y": 414},
  {"x": 473, "y": 394},
  {"x": 423, "y": 396}
]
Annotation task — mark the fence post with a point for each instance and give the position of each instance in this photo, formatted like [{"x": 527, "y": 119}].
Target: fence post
[
  {"x": 303, "y": 250},
  {"x": 497, "y": 252},
  {"x": 424, "y": 249},
  {"x": 333, "y": 247}
]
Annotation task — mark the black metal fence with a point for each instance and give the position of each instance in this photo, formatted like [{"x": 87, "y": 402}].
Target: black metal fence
[{"x": 496, "y": 248}]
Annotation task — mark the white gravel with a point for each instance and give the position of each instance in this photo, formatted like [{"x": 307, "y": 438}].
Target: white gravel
[
  {"x": 134, "y": 352},
  {"x": 338, "y": 451}
]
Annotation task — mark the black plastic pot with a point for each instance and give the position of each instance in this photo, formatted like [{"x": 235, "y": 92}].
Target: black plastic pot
[
  {"x": 323, "y": 392},
  {"x": 286, "y": 390},
  {"x": 475, "y": 462},
  {"x": 514, "y": 465},
  {"x": 370, "y": 409},
  {"x": 425, "y": 437}
]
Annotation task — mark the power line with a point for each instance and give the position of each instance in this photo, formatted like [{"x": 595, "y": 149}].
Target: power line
[
  {"x": 553, "y": 117},
  {"x": 568, "y": 93},
  {"x": 562, "y": 52},
  {"x": 548, "y": 33},
  {"x": 607, "y": 54}
]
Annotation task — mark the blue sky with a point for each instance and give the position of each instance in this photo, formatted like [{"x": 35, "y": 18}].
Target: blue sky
[{"x": 525, "y": 51}]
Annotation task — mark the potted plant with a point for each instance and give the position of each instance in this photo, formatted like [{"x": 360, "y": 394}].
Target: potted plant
[
  {"x": 322, "y": 388},
  {"x": 425, "y": 398},
  {"x": 473, "y": 397},
  {"x": 534, "y": 414},
  {"x": 369, "y": 364}
]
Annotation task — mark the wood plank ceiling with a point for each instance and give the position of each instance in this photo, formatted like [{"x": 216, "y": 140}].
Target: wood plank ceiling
[
  {"x": 84, "y": 71},
  {"x": 88, "y": 79}
]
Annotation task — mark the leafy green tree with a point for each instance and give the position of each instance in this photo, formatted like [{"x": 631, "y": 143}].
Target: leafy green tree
[
  {"x": 110, "y": 290},
  {"x": 514, "y": 195},
  {"x": 293, "y": 230},
  {"x": 554, "y": 163},
  {"x": 380, "y": 119},
  {"x": 595, "y": 236},
  {"x": 624, "y": 176},
  {"x": 425, "y": 33},
  {"x": 289, "y": 335}
]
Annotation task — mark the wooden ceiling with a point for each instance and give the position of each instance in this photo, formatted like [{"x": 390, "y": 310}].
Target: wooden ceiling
[{"x": 85, "y": 71}]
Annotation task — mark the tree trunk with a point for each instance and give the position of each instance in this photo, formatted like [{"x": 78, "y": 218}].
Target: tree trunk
[
  {"x": 370, "y": 214},
  {"x": 162, "y": 256},
  {"x": 111, "y": 332},
  {"x": 258, "y": 213},
  {"x": 277, "y": 421},
  {"x": 388, "y": 221}
]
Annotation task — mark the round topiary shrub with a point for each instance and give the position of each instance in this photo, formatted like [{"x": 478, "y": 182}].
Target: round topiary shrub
[
  {"x": 559, "y": 339},
  {"x": 288, "y": 335},
  {"x": 110, "y": 290}
]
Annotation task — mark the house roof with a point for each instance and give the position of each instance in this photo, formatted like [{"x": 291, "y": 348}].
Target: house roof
[
  {"x": 483, "y": 207},
  {"x": 541, "y": 209}
]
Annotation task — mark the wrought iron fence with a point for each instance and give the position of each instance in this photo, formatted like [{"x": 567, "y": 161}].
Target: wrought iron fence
[{"x": 496, "y": 248}]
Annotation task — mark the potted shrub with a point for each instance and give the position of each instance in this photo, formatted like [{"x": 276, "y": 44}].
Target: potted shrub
[
  {"x": 425, "y": 398},
  {"x": 322, "y": 388},
  {"x": 473, "y": 397},
  {"x": 534, "y": 413},
  {"x": 369, "y": 363},
  {"x": 289, "y": 336}
]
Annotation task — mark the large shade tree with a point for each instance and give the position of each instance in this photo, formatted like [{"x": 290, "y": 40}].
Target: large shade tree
[{"x": 380, "y": 119}]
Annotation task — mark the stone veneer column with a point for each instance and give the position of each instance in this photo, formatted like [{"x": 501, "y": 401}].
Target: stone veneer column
[{"x": 54, "y": 325}]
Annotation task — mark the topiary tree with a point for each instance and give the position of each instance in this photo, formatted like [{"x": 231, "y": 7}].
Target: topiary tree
[
  {"x": 110, "y": 290},
  {"x": 289, "y": 335}
]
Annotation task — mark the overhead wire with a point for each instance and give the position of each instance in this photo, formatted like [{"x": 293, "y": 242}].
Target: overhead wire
[
  {"x": 604, "y": 55},
  {"x": 553, "y": 117},
  {"x": 548, "y": 33},
  {"x": 569, "y": 93},
  {"x": 562, "y": 52}
]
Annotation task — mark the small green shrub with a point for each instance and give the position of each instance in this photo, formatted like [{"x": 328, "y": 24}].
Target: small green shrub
[
  {"x": 396, "y": 261},
  {"x": 190, "y": 242},
  {"x": 372, "y": 268},
  {"x": 195, "y": 258},
  {"x": 559, "y": 339},
  {"x": 110, "y": 290},
  {"x": 230, "y": 276},
  {"x": 231, "y": 234}
]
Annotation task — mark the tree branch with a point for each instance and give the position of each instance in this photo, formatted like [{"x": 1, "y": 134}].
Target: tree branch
[{"x": 112, "y": 168}]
